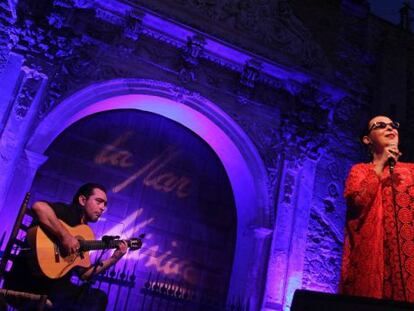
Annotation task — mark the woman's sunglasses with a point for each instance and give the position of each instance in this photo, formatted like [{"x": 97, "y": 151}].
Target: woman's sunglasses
[{"x": 383, "y": 125}]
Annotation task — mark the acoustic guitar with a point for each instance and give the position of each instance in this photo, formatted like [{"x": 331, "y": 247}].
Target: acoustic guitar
[{"x": 55, "y": 263}]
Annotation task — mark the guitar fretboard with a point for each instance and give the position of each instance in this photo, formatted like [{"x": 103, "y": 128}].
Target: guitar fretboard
[{"x": 88, "y": 245}]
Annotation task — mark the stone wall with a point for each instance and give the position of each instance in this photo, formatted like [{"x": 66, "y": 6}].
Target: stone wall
[{"x": 299, "y": 78}]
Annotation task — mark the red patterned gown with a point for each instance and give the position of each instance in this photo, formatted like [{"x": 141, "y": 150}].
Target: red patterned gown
[{"x": 379, "y": 252}]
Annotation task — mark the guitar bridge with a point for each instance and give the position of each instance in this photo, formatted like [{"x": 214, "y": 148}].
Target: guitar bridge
[{"x": 56, "y": 248}]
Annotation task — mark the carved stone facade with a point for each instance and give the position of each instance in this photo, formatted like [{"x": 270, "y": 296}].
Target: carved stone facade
[{"x": 297, "y": 86}]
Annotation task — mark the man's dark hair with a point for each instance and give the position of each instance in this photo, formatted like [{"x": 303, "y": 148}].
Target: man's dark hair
[{"x": 87, "y": 191}]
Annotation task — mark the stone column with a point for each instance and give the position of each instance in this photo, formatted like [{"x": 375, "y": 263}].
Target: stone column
[
  {"x": 299, "y": 231},
  {"x": 257, "y": 272},
  {"x": 8, "y": 80},
  {"x": 19, "y": 119},
  {"x": 286, "y": 259},
  {"x": 23, "y": 176}
]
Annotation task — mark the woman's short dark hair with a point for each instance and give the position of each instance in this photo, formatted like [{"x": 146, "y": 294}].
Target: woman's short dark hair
[
  {"x": 87, "y": 191},
  {"x": 365, "y": 130}
]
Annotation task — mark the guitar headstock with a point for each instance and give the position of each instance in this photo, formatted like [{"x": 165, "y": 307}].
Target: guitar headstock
[{"x": 134, "y": 244}]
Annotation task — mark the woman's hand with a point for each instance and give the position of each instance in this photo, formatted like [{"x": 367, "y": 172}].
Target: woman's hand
[{"x": 391, "y": 153}]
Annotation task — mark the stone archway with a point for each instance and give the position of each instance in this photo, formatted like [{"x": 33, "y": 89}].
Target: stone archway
[{"x": 238, "y": 154}]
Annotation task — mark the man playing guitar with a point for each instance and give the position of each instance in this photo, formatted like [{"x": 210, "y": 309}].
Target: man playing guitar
[{"x": 88, "y": 204}]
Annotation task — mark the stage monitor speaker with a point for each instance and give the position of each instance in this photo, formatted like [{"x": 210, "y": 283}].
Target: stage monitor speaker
[{"x": 304, "y": 300}]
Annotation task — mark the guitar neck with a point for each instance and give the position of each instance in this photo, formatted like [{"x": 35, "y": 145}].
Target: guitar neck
[{"x": 89, "y": 245}]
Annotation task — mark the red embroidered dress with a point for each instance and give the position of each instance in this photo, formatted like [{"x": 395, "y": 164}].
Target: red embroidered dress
[{"x": 378, "y": 252}]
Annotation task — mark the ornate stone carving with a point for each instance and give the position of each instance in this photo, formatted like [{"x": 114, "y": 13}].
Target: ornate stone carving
[
  {"x": 27, "y": 92},
  {"x": 333, "y": 170},
  {"x": 306, "y": 128},
  {"x": 272, "y": 186},
  {"x": 81, "y": 4},
  {"x": 193, "y": 50},
  {"x": 293, "y": 87},
  {"x": 180, "y": 94},
  {"x": 190, "y": 56},
  {"x": 263, "y": 27},
  {"x": 161, "y": 37},
  {"x": 251, "y": 71},
  {"x": 325, "y": 236},
  {"x": 288, "y": 188},
  {"x": 7, "y": 18},
  {"x": 133, "y": 27},
  {"x": 186, "y": 75},
  {"x": 4, "y": 51},
  {"x": 249, "y": 75},
  {"x": 56, "y": 20},
  {"x": 304, "y": 136},
  {"x": 43, "y": 43},
  {"x": 323, "y": 255},
  {"x": 267, "y": 140},
  {"x": 333, "y": 190},
  {"x": 109, "y": 17}
]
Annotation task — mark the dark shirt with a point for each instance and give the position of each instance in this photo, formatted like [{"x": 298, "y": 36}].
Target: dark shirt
[
  {"x": 70, "y": 214},
  {"x": 25, "y": 274}
]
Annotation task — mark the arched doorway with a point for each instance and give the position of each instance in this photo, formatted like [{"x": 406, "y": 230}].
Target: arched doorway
[
  {"x": 162, "y": 180},
  {"x": 237, "y": 153}
]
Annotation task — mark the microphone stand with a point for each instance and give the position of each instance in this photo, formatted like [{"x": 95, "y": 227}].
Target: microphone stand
[
  {"x": 391, "y": 163},
  {"x": 98, "y": 262},
  {"x": 107, "y": 240}
]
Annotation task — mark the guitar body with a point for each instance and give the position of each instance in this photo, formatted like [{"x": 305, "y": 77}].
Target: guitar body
[{"x": 52, "y": 261}]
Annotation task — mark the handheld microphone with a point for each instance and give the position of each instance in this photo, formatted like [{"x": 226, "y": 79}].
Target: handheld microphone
[{"x": 392, "y": 161}]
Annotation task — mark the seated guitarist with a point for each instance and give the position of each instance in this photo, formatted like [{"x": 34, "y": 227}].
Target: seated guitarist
[{"x": 87, "y": 206}]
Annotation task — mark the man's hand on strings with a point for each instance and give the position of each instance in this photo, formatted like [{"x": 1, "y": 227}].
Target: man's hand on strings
[{"x": 70, "y": 244}]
